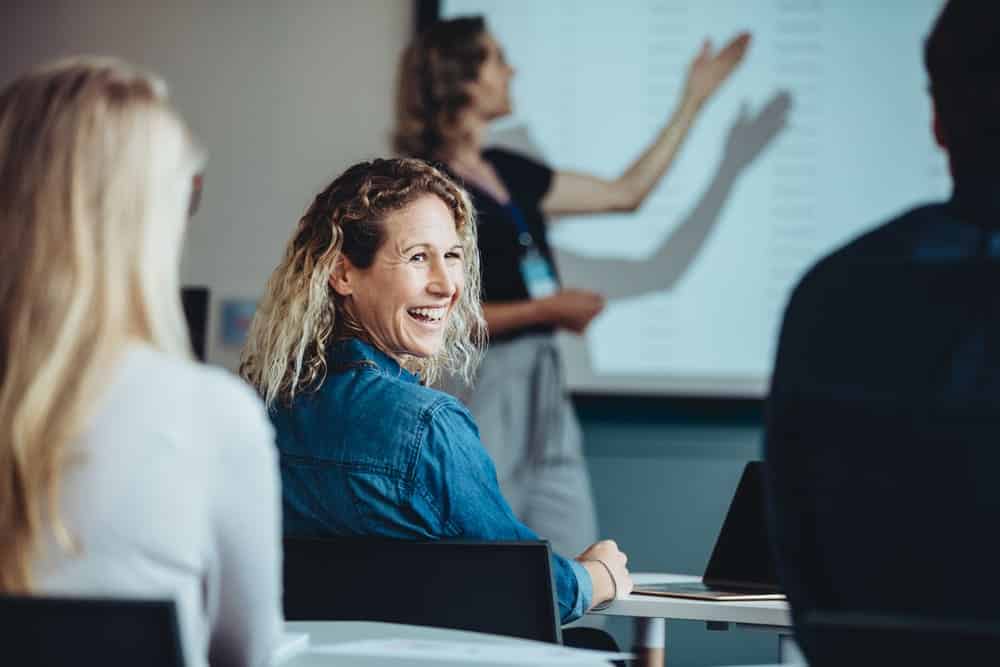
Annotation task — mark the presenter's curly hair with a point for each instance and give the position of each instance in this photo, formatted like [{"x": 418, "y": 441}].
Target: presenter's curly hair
[
  {"x": 431, "y": 86},
  {"x": 301, "y": 314}
]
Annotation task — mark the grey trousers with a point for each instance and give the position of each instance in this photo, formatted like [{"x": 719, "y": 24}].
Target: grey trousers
[{"x": 528, "y": 426}]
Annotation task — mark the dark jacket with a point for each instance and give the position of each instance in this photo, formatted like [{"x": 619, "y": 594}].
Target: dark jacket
[{"x": 883, "y": 421}]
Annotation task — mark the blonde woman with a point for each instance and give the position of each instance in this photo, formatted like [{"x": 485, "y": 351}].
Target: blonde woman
[
  {"x": 128, "y": 470},
  {"x": 377, "y": 294}
]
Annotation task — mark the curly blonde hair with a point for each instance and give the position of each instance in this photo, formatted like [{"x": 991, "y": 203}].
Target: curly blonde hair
[{"x": 301, "y": 314}]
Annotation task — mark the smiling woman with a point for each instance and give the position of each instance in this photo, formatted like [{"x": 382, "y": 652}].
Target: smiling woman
[
  {"x": 403, "y": 300},
  {"x": 384, "y": 242},
  {"x": 377, "y": 294}
]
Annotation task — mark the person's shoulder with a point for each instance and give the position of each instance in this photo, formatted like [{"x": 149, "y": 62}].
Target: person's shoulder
[
  {"x": 400, "y": 399},
  {"x": 368, "y": 378},
  {"x": 213, "y": 387},
  {"x": 432, "y": 405},
  {"x": 444, "y": 407},
  {"x": 206, "y": 403},
  {"x": 527, "y": 179},
  {"x": 451, "y": 428},
  {"x": 508, "y": 161},
  {"x": 891, "y": 241},
  {"x": 432, "y": 408}
]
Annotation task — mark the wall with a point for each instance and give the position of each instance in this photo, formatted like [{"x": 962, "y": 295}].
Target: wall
[{"x": 285, "y": 96}]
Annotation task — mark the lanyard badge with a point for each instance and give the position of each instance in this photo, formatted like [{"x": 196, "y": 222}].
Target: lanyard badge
[{"x": 536, "y": 270}]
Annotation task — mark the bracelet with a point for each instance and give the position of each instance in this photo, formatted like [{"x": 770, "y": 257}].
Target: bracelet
[{"x": 614, "y": 588}]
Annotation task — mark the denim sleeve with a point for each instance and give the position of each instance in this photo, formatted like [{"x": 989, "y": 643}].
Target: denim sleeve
[{"x": 457, "y": 476}]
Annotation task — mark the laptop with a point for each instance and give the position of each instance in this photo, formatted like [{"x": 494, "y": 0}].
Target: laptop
[{"x": 742, "y": 566}]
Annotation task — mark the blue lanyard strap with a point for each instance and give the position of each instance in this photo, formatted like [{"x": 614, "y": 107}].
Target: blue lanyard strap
[{"x": 524, "y": 236}]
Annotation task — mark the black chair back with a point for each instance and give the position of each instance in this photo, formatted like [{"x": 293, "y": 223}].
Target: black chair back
[
  {"x": 502, "y": 588},
  {"x": 195, "y": 301},
  {"x": 69, "y": 632},
  {"x": 838, "y": 639}
]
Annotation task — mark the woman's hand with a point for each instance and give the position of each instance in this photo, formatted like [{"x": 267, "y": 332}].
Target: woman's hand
[
  {"x": 708, "y": 70},
  {"x": 571, "y": 309},
  {"x": 607, "y": 552},
  {"x": 585, "y": 193}
]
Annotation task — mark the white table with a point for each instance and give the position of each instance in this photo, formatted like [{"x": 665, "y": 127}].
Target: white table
[
  {"x": 335, "y": 632},
  {"x": 764, "y": 615}
]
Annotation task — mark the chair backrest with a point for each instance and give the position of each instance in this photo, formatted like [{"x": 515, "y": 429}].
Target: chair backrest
[
  {"x": 58, "y": 632},
  {"x": 195, "y": 301},
  {"x": 837, "y": 639},
  {"x": 502, "y": 588}
]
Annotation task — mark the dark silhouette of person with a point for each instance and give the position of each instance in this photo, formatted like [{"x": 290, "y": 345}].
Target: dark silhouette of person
[{"x": 883, "y": 420}]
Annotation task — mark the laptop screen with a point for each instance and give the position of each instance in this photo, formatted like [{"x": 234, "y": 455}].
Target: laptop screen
[{"x": 742, "y": 554}]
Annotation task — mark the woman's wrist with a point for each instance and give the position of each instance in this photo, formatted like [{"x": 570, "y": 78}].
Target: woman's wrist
[
  {"x": 543, "y": 314},
  {"x": 602, "y": 581},
  {"x": 513, "y": 315},
  {"x": 689, "y": 106}
]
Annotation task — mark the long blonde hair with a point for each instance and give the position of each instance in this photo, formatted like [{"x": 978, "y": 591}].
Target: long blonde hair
[
  {"x": 301, "y": 314},
  {"x": 95, "y": 179}
]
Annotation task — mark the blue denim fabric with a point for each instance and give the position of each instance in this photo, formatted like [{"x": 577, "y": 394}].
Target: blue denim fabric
[{"x": 373, "y": 452}]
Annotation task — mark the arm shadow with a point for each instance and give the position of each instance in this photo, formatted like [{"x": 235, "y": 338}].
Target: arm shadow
[{"x": 747, "y": 138}]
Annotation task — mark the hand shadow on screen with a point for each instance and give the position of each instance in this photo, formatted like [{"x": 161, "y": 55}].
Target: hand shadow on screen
[{"x": 621, "y": 278}]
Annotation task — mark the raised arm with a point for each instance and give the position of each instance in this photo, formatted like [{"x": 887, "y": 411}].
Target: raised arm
[
  {"x": 749, "y": 135},
  {"x": 574, "y": 192}
]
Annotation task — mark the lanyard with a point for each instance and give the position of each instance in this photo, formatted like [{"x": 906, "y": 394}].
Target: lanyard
[{"x": 524, "y": 236}]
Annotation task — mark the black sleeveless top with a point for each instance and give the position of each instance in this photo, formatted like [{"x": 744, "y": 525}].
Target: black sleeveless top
[{"x": 500, "y": 252}]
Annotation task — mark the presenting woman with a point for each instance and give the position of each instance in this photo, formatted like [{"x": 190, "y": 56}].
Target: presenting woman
[
  {"x": 453, "y": 82},
  {"x": 377, "y": 295},
  {"x": 128, "y": 470}
]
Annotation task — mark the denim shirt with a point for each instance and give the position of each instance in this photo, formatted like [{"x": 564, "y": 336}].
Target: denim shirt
[{"x": 373, "y": 452}]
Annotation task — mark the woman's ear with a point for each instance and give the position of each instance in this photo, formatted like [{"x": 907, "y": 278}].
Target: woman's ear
[{"x": 342, "y": 277}]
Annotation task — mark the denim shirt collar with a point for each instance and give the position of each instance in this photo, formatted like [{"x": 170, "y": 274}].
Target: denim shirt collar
[{"x": 356, "y": 352}]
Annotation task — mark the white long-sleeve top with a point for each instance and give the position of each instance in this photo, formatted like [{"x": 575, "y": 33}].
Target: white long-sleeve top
[{"x": 173, "y": 492}]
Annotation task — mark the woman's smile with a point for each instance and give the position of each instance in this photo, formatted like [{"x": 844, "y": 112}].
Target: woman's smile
[
  {"x": 430, "y": 315},
  {"x": 404, "y": 299}
]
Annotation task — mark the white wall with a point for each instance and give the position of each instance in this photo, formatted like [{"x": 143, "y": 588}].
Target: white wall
[{"x": 284, "y": 95}]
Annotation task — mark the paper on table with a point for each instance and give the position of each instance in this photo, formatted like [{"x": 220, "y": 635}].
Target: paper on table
[{"x": 462, "y": 651}]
